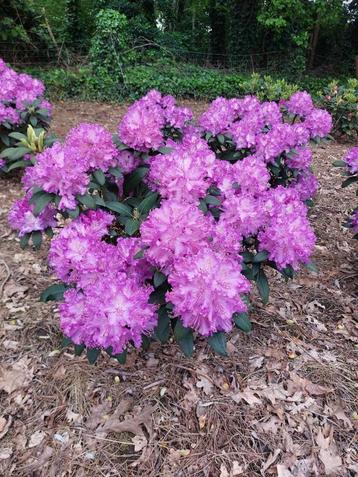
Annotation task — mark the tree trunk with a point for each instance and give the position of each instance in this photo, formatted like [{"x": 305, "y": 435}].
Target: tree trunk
[
  {"x": 218, "y": 32},
  {"x": 314, "y": 44}
]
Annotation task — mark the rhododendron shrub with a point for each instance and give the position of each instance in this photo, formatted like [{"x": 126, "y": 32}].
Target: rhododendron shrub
[
  {"x": 350, "y": 164},
  {"x": 164, "y": 228},
  {"x": 22, "y": 104}
]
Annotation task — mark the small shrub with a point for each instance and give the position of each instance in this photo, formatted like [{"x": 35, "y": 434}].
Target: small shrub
[
  {"x": 342, "y": 102},
  {"x": 169, "y": 223},
  {"x": 22, "y": 104}
]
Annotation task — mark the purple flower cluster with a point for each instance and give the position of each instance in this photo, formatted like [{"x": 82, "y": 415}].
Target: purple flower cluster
[
  {"x": 351, "y": 159},
  {"x": 22, "y": 218},
  {"x": 142, "y": 127},
  {"x": 17, "y": 91},
  {"x": 107, "y": 304},
  {"x": 64, "y": 169},
  {"x": 228, "y": 188}
]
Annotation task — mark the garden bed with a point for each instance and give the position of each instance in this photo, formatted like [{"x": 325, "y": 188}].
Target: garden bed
[{"x": 282, "y": 403}]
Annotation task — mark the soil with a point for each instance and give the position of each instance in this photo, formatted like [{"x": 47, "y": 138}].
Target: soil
[{"x": 283, "y": 403}]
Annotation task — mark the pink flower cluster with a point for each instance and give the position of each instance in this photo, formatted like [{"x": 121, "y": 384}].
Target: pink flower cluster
[
  {"x": 351, "y": 159},
  {"x": 142, "y": 127},
  {"x": 64, "y": 169},
  {"x": 107, "y": 304},
  {"x": 22, "y": 218},
  {"x": 17, "y": 91},
  {"x": 236, "y": 182}
]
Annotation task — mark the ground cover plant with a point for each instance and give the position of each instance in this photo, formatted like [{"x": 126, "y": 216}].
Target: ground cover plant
[
  {"x": 192, "y": 212},
  {"x": 22, "y": 108}
]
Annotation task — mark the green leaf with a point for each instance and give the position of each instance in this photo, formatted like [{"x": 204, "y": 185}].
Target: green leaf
[
  {"x": 349, "y": 181},
  {"x": 148, "y": 203},
  {"x": 121, "y": 357},
  {"x": 242, "y": 321},
  {"x": 159, "y": 278},
  {"x": 24, "y": 240},
  {"x": 131, "y": 227},
  {"x": 339, "y": 163},
  {"x": 18, "y": 136},
  {"x": 134, "y": 179},
  {"x": 221, "y": 138},
  {"x": 17, "y": 165},
  {"x": 139, "y": 254},
  {"x": 203, "y": 207},
  {"x": 184, "y": 338},
  {"x": 263, "y": 286},
  {"x": 87, "y": 200},
  {"x": 120, "y": 208},
  {"x": 92, "y": 354},
  {"x": 14, "y": 153},
  {"x": 210, "y": 199},
  {"x": 115, "y": 171},
  {"x": 165, "y": 150},
  {"x": 100, "y": 177},
  {"x": 260, "y": 257},
  {"x": 218, "y": 343},
  {"x": 49, "y": 232},
  {"x": 74, "y": 213},
  {"x": 36, "y": 238},
  {"x": 79, "y": 349},
  {"x": 162, "y": 330},
  {"x": 99, "y": 201},
  {"x": 65, "y": 342},
  {"x": 312, "y": 267},
  {"x": 53, "y": 292},
  {"x": 41, "y": 201}
]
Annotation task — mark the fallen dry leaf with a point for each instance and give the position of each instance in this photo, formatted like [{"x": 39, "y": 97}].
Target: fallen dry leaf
[
  {"x": 36, "y": 439},
  {"x": 131, "y": 424},
  {"x": 17, "y": 376},
  {"x": 5, "y": 453},
  {"x": 328, "y": 452},
  {"x": 4, "y": 425},
  {"x": 283, "y": 471},
  {"x": 247, "y": 395}
]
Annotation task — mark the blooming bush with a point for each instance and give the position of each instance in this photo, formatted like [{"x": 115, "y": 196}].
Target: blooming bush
[
  {"x": 164, "y": 227},
  {"x": 22, "y": 104},
  {"x": 350, "y": 163}
]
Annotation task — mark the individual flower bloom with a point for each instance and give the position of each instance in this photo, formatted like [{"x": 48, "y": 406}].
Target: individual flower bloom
[
  {"x": 183, "y": 174},
  {"x": 306, "y": 185},
  {"x": 351, "y": 159},
  {"x": 174, "y": 230},
  {"x": 243, "y": 211},
  {"x": 244, "y": 132},
  {"x": 206, "y": 289},
  {"x": 127, "y": 161},
  {"x": 245, "y": 105},
  {"x": 252, "y": 175},
  {"x": 288, "y": 239},
  {"x": 61, "y": 171},
  {"x": 77, "y": 253},
  {"x": 281, "y": 138},
  {"x": 113, "y": 313},
  {"x": 302, "y": 133},
  {"x": 22, "y": 218},
  {"x": 300, "y": 103},
  {"x": 141, "y": 126},
  {"x": 9, "y": 114},
  {"x": 47, "y": 106},
  {"x": 126, "y": 250},
  {"x": 28, "y": 89},
  {"x": 282, "y": 199},
  {"x": 269, "y": 113},
  {"x": 175, "y": 116},
  {"x": 218, "y": 117},
  {"x": 8, "y": 85},
  {"x": 2, "y": 163},
  {"x": 300, "y": 159},
  {"x": 93, "y": 144},
  {"x": 227, "y": 239},
  {"x": 318, "y": 122}
]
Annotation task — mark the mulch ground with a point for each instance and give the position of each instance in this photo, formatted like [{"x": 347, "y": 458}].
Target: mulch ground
[{"x": 283, "y": 403}]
